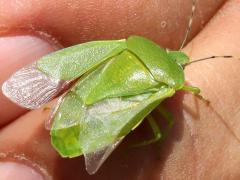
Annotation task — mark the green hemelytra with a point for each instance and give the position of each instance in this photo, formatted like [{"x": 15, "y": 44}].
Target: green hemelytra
[{"x": 119, "y": 83}]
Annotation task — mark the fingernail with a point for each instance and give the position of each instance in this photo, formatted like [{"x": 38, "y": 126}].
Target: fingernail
[
  {"x": 12, "y": 171},
  {"x": 18, "y": 51}
]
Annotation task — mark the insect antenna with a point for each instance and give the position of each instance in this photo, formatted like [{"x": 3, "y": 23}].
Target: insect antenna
[
  {"x": 189, "y": 24},
  {"x": 203, "y": 59},
  {"x": 210, "y": 57}
]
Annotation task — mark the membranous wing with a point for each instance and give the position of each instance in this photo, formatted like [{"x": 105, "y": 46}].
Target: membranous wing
[
  {"x": 36, "y": 84},
  {"x": 30, "y": 88},
  {"x": 103, "y": 107}
]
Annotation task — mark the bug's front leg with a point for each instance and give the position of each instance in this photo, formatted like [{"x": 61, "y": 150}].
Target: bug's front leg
[{"x": 196, "y": 91}]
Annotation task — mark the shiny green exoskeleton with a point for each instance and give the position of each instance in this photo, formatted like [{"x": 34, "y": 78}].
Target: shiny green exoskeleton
[{"x": 120, "y": 83}]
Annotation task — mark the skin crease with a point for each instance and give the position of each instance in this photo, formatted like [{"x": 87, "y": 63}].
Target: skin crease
[{"x": 203, "y": 143}]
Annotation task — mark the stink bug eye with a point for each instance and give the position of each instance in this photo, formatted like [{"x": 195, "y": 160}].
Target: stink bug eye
[{"x": 118, "y": 83}]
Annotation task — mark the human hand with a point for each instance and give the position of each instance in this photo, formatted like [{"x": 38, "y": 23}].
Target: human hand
[{"x": 199, "y": 141}]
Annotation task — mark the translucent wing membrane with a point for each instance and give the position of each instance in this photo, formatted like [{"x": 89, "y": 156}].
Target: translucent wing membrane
[
  {"x": 49, "y": 121},
  {"x": 94, "y": 161},
  {"x": 30, "y": 88}
]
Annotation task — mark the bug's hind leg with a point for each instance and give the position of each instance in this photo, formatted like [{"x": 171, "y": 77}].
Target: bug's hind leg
[
  {"x": 196, "y": 91},
  {"x": 155, "y": 127},
  {"x": 168, "y": 116},
  {"x": 156, "y": 132}
]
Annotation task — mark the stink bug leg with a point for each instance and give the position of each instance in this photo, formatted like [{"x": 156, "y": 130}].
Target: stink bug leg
[
  {"x": 157, "y": 135},
  {"x": 196, "y": 91},
  {"x": 168, "y": 116}
]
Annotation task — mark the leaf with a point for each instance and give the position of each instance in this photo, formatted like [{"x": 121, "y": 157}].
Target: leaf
[
  {"x": 30, "y": 88},
  {"x": 70, "y": 63},
  {"x": 157, "y": 60}
]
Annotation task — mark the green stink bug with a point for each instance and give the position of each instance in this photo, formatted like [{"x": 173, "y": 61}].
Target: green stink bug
[{"x": 119, "y": 85}]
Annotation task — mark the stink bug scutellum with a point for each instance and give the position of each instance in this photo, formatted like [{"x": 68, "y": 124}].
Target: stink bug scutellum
[{"x": 118, "y": 84}]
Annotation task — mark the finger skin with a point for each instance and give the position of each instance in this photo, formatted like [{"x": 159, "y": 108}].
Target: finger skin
[
  {"x": 66, "y": 22},
  {"x": 200, "y": 146},
  {"x": 207, "y": 141},
  {"x": 72, "y": 22},
  {"x": 214, "y": 132}
]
